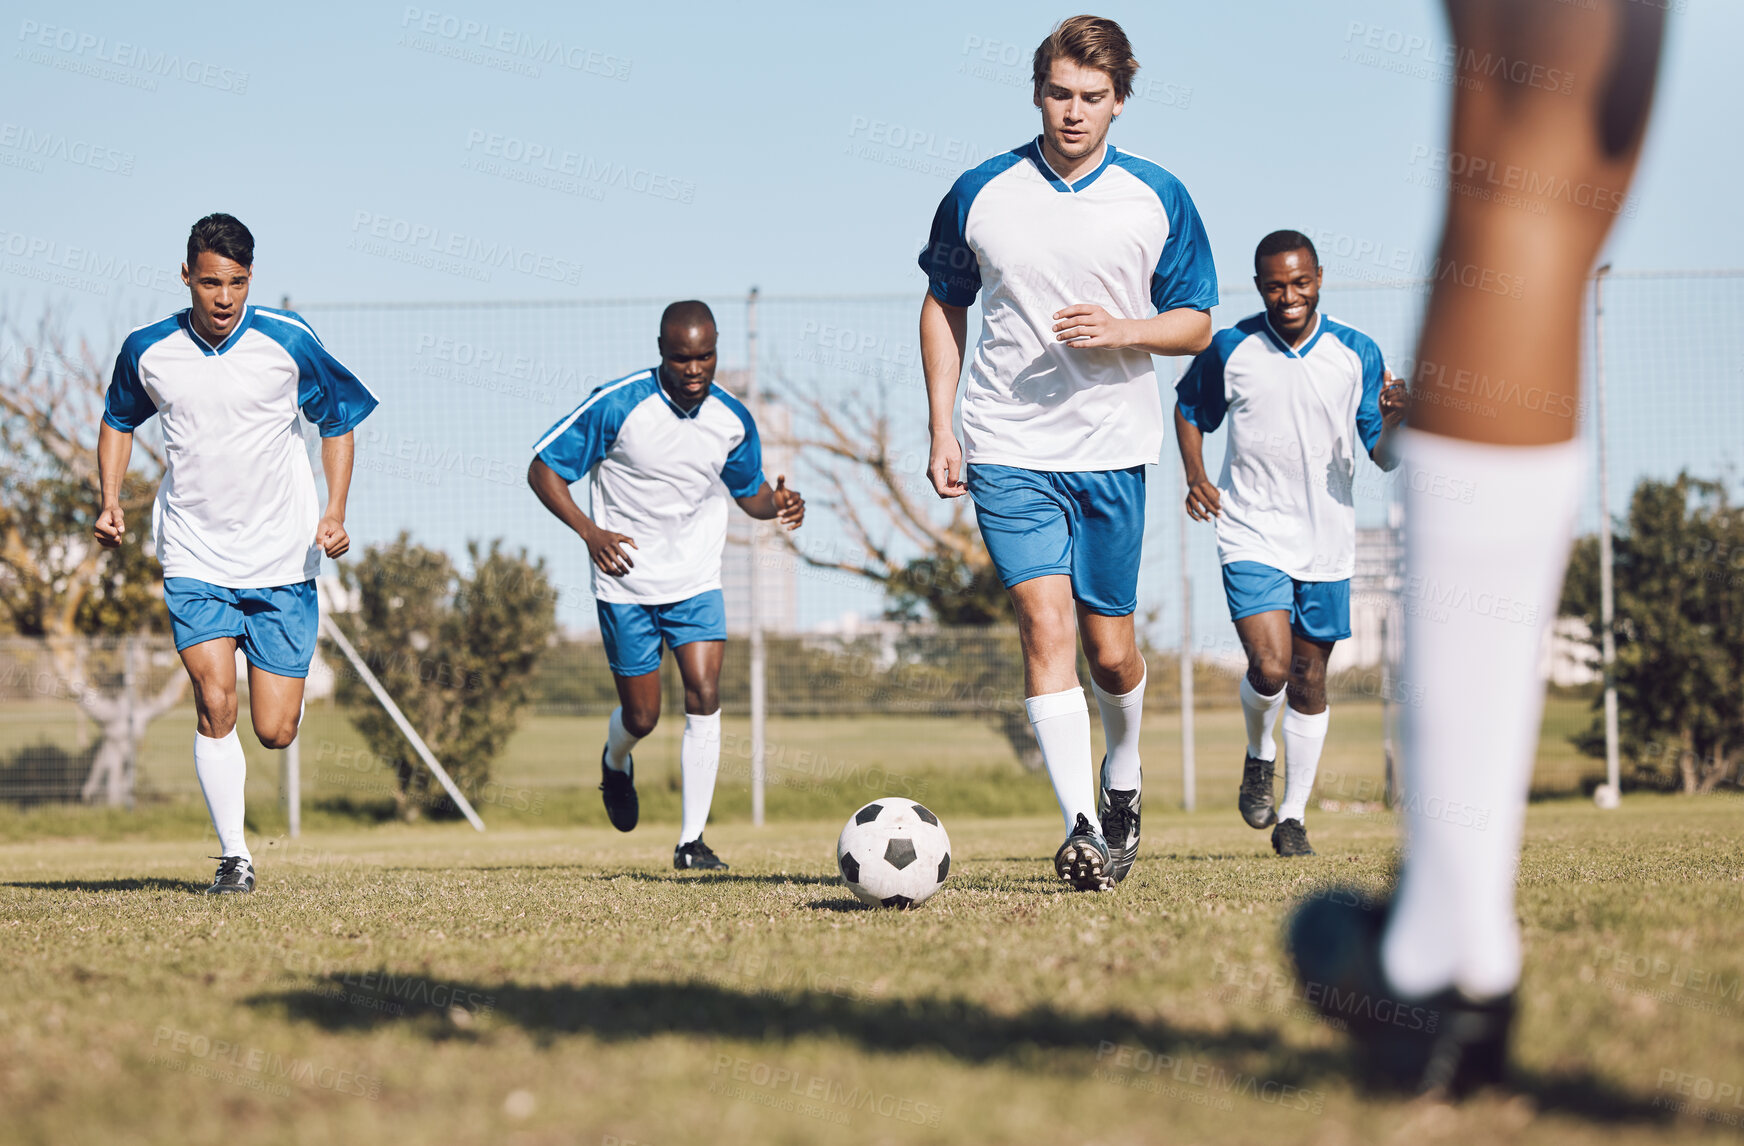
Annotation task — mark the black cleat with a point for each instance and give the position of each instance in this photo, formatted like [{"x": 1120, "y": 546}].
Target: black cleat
[
  {"x": 618, "y": 791},
  {"x": 697, "y": 856},
  {"x": 1255, "y": 800},
  {"x": 1444, "y": 1045},
  {"x": 1290, "y": 838},
  {"x": 235, "y": 876},
  {"x": 1118, "y": 809},
  {"x": 1083, "y": 860}
]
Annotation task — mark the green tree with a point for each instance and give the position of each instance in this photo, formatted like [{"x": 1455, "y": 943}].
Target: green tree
[
  {"x": 456, "y": 652},
  {"x": 1679, "y": 586}
]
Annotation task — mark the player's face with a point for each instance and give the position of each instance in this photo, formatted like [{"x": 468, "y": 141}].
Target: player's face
[
  {"x": 1289, "y": 283},
  {"x": 1077, "y": 106},
  {"x": 219, "y": 290},
  {"x": 687, "y": 359}
]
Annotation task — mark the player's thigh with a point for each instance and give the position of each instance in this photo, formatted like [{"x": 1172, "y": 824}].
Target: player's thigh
[
  {"x": 1023, "y": 522},
  {"x": 205, "y": 620},
  {"x": 1107, "y": 640},
  {"x": 1106, "y": 514},
  {"x": 1261, "y": 600},
  {"x": 696, "y": 631},
  {"x": 1046, "y": 615},
  {"x": 211, "y": 666},
  {"x": 275, "y": 704}
]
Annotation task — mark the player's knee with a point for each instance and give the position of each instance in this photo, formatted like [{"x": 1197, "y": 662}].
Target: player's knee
[
  {"x": 640, "y": 722},
  {"x": 1112, "y": 662},
  {"x": 278, "y": 736},
  {"x": 704, "y": 699},
  {"x": 1268, "y": 671},
  {"x": 216, "y": 709}
]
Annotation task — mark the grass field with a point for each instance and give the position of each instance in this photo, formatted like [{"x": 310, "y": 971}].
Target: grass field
[{"x": 547, "y": 985}]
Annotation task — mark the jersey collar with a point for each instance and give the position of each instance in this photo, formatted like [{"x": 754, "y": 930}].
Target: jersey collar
[
  {"x": 1283, "y": 343},
  {"x": 186, "y": 320},
  {"x": 1034, "y": 151},
  {"x": 677, "y": 410}
]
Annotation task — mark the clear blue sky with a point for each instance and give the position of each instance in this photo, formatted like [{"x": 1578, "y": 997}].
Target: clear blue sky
[{"x": 380, "y": 152}]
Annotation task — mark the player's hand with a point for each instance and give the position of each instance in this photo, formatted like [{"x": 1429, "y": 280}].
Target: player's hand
[
  {"x": 110, "y": 526},
  {"x": 1085, "y": 326},
  {"x": 330, "y": 535},
  {"x": 1204, "y": 501},
  {"x": 1393, "y": 400},
  {"x": 605, "y": 547},
  {"x": 945, "y": 466},
  {"x": 789, "y": 506}
]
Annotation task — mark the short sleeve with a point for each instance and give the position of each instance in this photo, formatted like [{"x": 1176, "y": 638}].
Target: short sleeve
[
  {"x": 586, "y": 435},
  {"x": 1368, "y": 410},
  {"x": 127, "y": 406},
  {"x": 743, "y": 473},
  {"x": 331, "y": 396},
  {"x": 1186, "y": 276},
  {"x": 953, "y": 271},
  {"x": 1200, "y": 395}
]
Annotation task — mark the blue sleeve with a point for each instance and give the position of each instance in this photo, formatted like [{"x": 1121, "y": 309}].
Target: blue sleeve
[
  {"x": 1200, "y": 394},
  {"x": 1185, "y": 274},
  {"x": 743, "y": 473},
  {"x": 953, "y": 272},
  {"x": 1368, "y": 411},
  {"x": 577, "y": 443},
  {"x": 331, "y": 396},
  {"x": 127, "y": 406}
]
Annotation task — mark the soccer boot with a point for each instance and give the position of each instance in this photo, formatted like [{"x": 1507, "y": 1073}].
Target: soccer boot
[
  {"x": 1255, "y": 800},
  {"x": 697, "y": 856},
  {"x": 1443, "y": 1045},
  {"x": 1083, "y": 860},
  {"x": 235, "y": 876},
  {"x": 1118, "y": 809},
  {"x": 618, "y": 791},
  {"x": 1290, "y": 838}
]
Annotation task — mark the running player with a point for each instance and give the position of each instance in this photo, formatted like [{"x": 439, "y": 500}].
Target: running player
[
  {"x": 1300, "y": 389},
  {"x": 1447, "y": 946},
  {"x": 663, "y": 449},
  {"x": 1087, "y": 261},
  {"x": 239, "y": 530}
]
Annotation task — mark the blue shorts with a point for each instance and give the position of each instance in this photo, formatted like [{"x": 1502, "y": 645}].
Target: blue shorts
[
  {"x": 275, "y": 628},
  {"x": 1319, "y": 610},
  {"x": 1088, "y": 525},
  {"x": 633, "y": 633}
]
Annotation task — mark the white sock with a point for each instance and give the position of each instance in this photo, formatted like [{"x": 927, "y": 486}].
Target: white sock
[
  {"x": 1122, "y": 717},
  {"x": 1482, "y": 578},
  {"x": 1261, "y": 713},
  {"x": 619, "y": 742},
  {"x": 699, "y": 759},
  {"x": 1062, "y": 728},
  {"x": 222, "y": 769},
  {"x": 1304, "y": 737}
]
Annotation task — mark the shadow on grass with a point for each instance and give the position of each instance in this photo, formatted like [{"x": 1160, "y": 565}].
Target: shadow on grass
[
  {"x": 153, "y": 883},
  {"x": 967, "y": 1031},
  {"x": 706, "y": 877}
]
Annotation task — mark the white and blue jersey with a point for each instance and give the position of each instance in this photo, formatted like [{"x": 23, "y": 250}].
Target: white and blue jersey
[
  {"x": 661, "y": 475},
  {"x": 1298, "y": 420},
  {"x": 1126, "y": 237},
  {"x": 237, "y": 505}
]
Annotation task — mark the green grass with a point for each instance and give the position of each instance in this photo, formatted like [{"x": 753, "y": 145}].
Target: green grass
[{"x": 559, "y": 984}]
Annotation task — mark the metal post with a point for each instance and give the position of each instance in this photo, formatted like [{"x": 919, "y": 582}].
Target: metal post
[
  {"x": 758, "y": 690},
  {"x": 1189, "y": 766},
  {"x": 291, "y": 779},
  {"x": 1611, "y": 795}
]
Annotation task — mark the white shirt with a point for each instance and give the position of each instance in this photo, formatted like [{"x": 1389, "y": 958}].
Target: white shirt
[
  {"x": 662, "y": 476},
  {"x": 1125, "y": 237},
  {"x": 1296, "y": 418},
  {"x": 237, "y": 505}
]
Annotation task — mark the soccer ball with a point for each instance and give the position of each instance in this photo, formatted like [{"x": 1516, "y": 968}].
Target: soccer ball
[{"x": 893, "y": 853}]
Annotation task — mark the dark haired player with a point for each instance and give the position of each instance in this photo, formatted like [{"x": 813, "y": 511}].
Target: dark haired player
[
  {"x": 1448, "y": 942},
  {"x": 663, "y": 449},
  {"x": 1303, "y": 394},
  {"x": 239, "y": 530},
  {"x": 1087, "y": 261}
]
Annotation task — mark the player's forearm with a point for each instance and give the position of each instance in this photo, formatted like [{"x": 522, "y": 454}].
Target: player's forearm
[
  {"x": 337, "y": 454},
  {"x": 553, "y": 493},
  {"x": 114, "y": 450},
  {"x": 1191, "y": 440},
  {"x": 1173, "y": 332},
  {"x": 1386, "y": 452},
  {"x": 943, "y": 338},
  {"x": 760, "y": 505}
]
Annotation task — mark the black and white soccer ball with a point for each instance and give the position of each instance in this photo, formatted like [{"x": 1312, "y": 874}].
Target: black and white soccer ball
[{"x": 894, "y": 853}]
